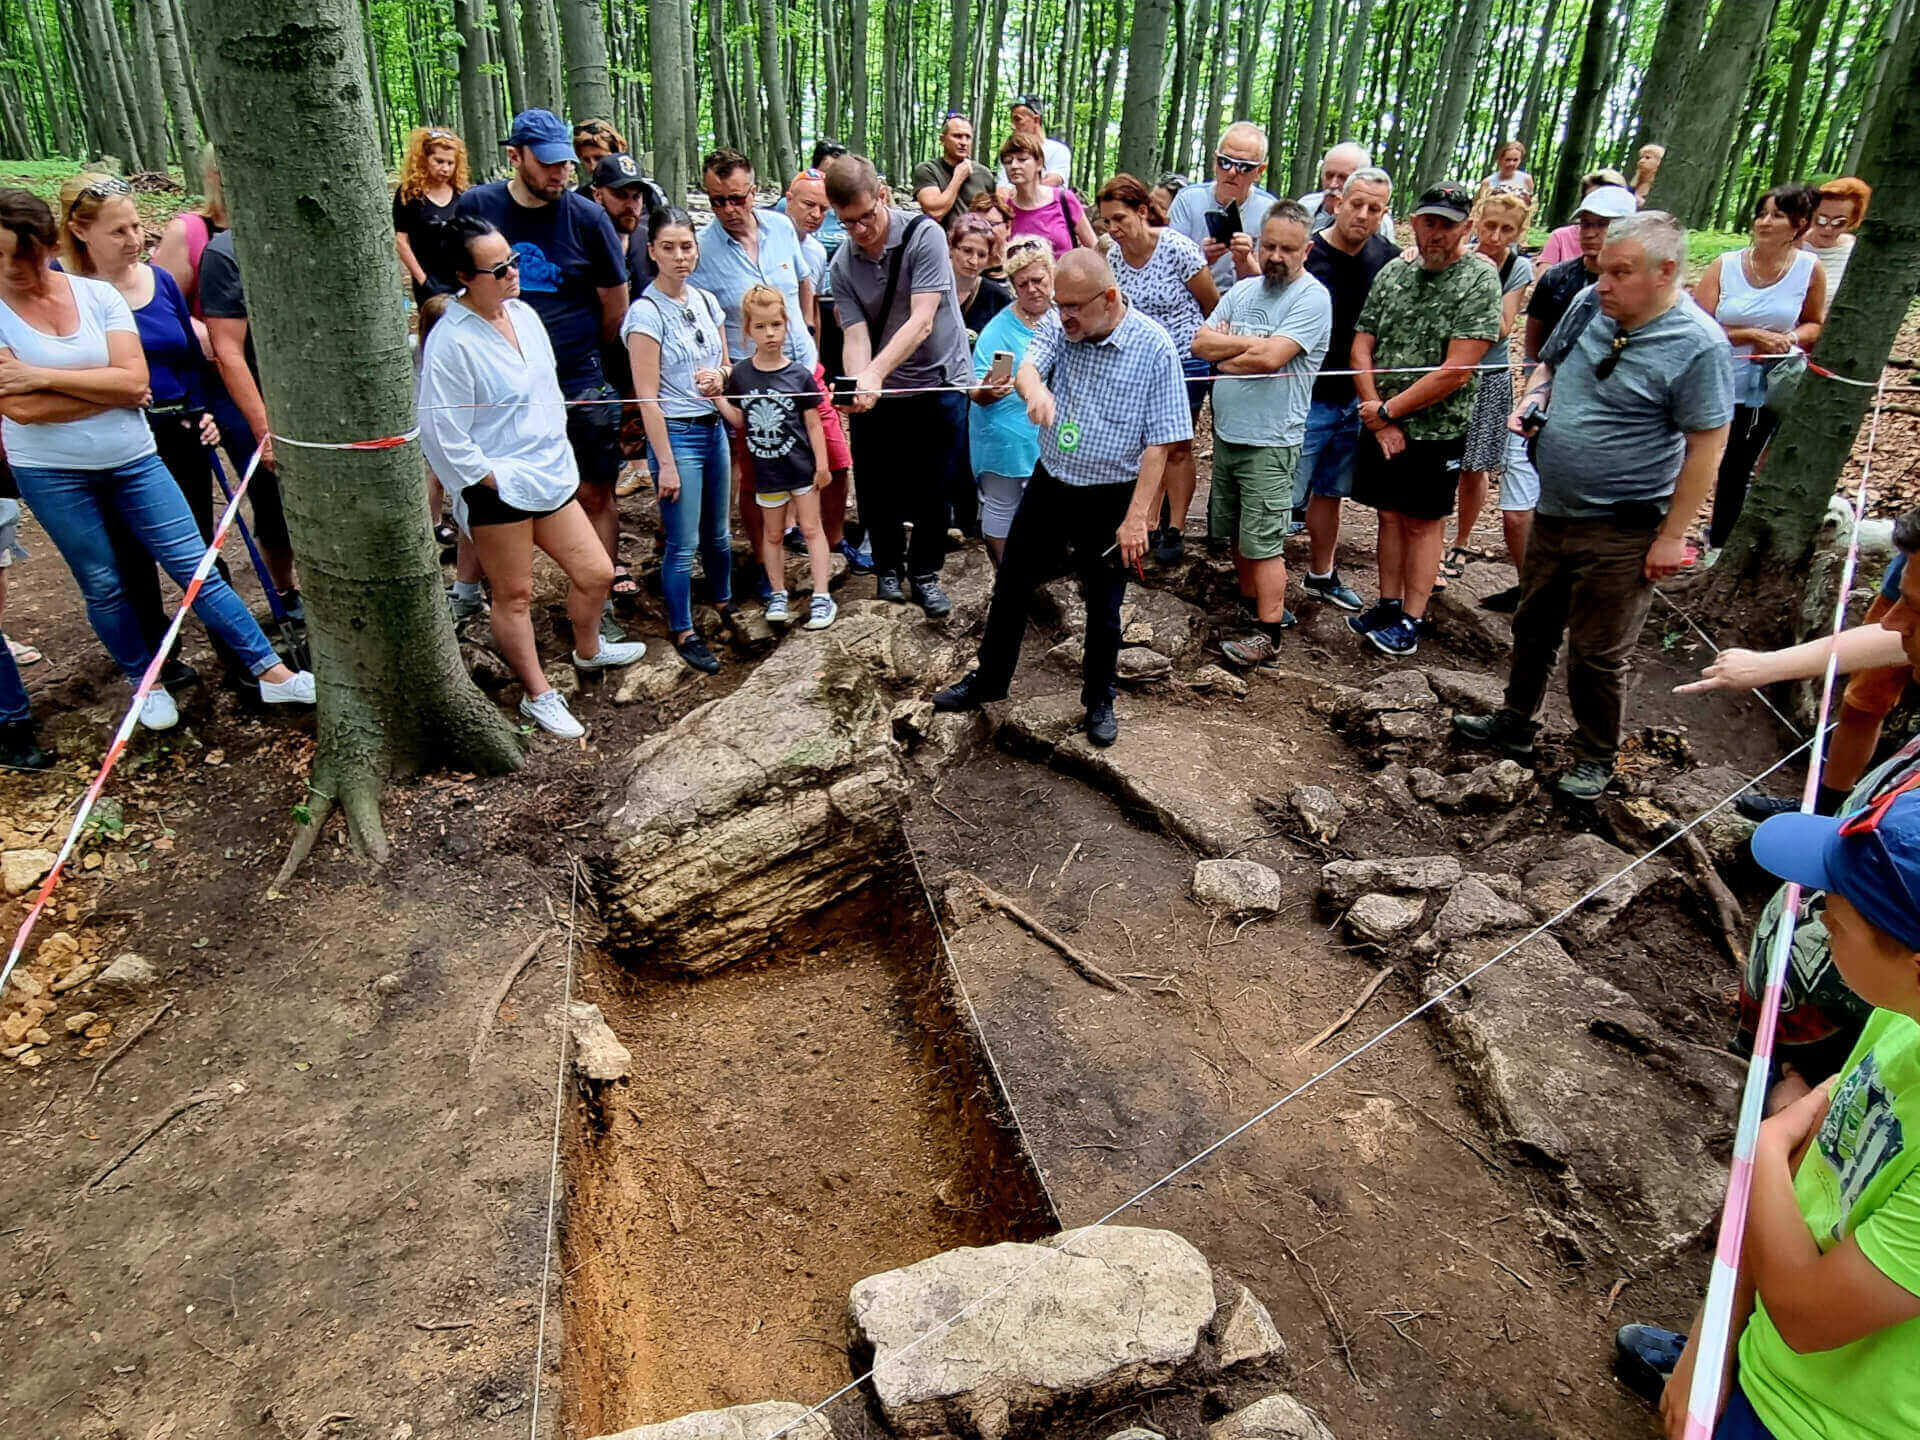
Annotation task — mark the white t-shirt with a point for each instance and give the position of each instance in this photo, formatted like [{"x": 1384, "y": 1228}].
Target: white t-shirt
[{"x": 99, "y": 442}]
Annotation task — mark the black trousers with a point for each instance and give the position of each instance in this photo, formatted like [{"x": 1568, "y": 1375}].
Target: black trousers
[
  {"x": 905, "y": 452},
  {"x": 1056, "y": 521},
  {"x": 177, "y": 438},
  {"x": 1753, "y": 427}
]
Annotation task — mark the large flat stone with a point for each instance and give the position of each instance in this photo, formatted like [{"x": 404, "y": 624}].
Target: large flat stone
[
  {"x": 1278, "y": 1417},
  {"x": 741, "y": 1422},
  {"x": 1095, "y": 1315},
  {"x": 1344, "y": 881},
  {"x": 1457, "y": 611},
  {"x": 1556, "y": 1057},
  {"x": 1580, "y": 863}
]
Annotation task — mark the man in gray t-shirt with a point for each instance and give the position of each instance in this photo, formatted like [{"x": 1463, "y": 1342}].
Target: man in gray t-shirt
[
  {"x": 1637, "y": 384},
  {"x": 893, "y": 293}
]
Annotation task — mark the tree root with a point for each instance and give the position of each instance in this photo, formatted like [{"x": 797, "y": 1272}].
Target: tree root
[{"x": 359, "y": 801}]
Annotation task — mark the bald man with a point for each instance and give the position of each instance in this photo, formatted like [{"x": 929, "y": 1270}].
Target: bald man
[{"x": 1103, "y": 384}]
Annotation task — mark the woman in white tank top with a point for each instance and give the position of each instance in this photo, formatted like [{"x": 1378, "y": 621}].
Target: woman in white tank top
[{"x": 1769, "y": 298}]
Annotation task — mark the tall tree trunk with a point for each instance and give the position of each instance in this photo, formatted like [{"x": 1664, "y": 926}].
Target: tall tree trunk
[
  {"x": 49, "y": 78},
  {"x": 584, "y": 33},
  {"x": 1280, "y": 92},
  {"x": 1443, "y": 135},
  {"x": 1899, "y": 22},
  {"x": 779, "y": 139},
  {"x": 376, "y": 78},
  {"x": 663, "y": 52},
  {"x": 108, "y": 100},
  {"x": 689, "y": 113},
  {"x": 293, "y": 122},
  {"x": 989, "y": 124},
  {"x": 726, "y": 107},
  {"x": 957, "y": 56},
  {"x": 186, "y": 56},
  {"x": 1820, "y": 116},
  {"x": 1766, "y": 552},
  {"x": 475, "y": 119},
  {"x": 1359, "y": 40},
  {"x": 169, "y": 56},
  {"x": 539, "y": 42},
  {"x": 1586, "y": 101},
  {"x": 1189, "y": 77},
  {"x": 1140, "y": 102},
  {"x": 1700, "y": 129},
  {"x": 90, "y": 132},
  {"x": 892, "y": 45},
  {"x": 1216, "y": 84},
  {"x": 832, "y": 121},
  {"x": 1536, "y": 82},
  {"x": 1663, "y": 88},
  {"x": 152, "y": 143},
  {"x": 1807, "y": 18},
  {"x": 747, "y": 68},
  {"x": 857, "y": 57},
  {"x": 1253, "y": 15},
  {"x": 1306, "y": 148},
  {"x": 1170, "y": 124},
  {"x": 510, "y": 57},
  {"x": 1103, "y": 123}
]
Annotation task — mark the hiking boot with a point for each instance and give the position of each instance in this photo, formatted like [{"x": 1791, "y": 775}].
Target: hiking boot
[
  {"x": 1378, "y": 614},
  {"x": 1254, "y": 648},
  {"x": 1103, "y": 727},
  {"x": 694, "y": 651},
  {"x": 1169, "y": 546},
  {"x": 969, "y": 692},
  {"x": 1503, "y": 731},
  {"x": 1644, "y": 1357},
  {"x": 550, "y": 713},
  {"x": 821, "y": 612},
  {"x": 1756, "y": 806},
  {"x": 887, "y": 586},
  {"x": 928, "y": 595},
  {"x": 777, "y": 611},
  {"x": 1399, "y": 638},
  {"x": 20, "y": 747},
  {"x": 1331, "y": 590},
  {"x": 858, "y": 561},
  {"x": 1587, "y": 780},
  {"x": 1503, "y": 602},
  {"x": 610, "y": 631}
]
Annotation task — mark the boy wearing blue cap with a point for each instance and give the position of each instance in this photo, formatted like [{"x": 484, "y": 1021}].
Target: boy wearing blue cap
[{"x": 1828, "y": 1307}]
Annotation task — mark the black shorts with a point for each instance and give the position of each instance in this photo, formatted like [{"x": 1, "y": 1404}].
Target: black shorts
[
  {"x": 594, "y": 433},
  {"x": 485, "y": 507},
  {"x": 1421, "y": 481}
]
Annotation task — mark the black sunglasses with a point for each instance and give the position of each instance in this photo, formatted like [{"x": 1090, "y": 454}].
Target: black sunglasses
[
  {"x": 99, "y": 190},
  {"x": 502, "y": 270},
  {"x": 1237, "y": 167},
  {"x": 727, "y": 201},
  {"x": 1611, "y": 359}
]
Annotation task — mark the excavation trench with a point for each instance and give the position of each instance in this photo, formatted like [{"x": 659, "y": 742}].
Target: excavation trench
[{"x": 793, "y": 1124}]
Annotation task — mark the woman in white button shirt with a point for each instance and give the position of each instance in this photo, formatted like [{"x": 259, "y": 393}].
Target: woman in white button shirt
[{"x": 494, "y": 427}]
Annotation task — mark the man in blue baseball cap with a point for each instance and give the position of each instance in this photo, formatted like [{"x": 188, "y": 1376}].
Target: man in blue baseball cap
[{"x": 1827, "y": 1314}]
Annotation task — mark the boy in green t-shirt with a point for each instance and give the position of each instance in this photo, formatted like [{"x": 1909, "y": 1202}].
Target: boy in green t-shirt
[{"x": 1828, "y": 1307}]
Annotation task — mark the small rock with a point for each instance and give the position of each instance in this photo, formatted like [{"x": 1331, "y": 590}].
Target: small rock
[
  {"x": 597, "y": 1053},
  {"x": 21, "y": 870},
  {"x": 1406, "y": 725},
  {"x": 78, "y": 975},
  {"x": 389, "y": 984},
  {"x": 1220, "y": 681},
  {"x": 1138, "y": 633},
  {"x": 14, "y": 1052},
  {"x": 1044, "y": 721},
  {"x": 38, "y": 1036},
  {"x": 1381, "y": 918},
  {"x": 1068, "y": 656},
  {"x": 1140, "y": 666},
  {"x": 129, "y": 975},
  {"x": 1278, "y": 1417},
  {"x": 1391, "y": 783},
  {"x": 741, "y": 1422},
  {"x": 657, "y": 676},
  {"x": 1244, "y": 1331},
  {"x": 58, "y": 949},
  {"x": 1468, "y": 689},
  {"x": 31, "y": 1059},
  {"x": 1344, "y": 881},
  {"x": 100, "y": 1029},
  {"x": 14, "y": 1028},
  {"x": 26, "y": 985},
  {"x": 1238, "y": 886},
  {"x": 565, "y": 681},
  {"x": 1319, "y": 810},
  {"x": 1498, "y": 784},
  {"x": 489, "y": 671},
  {"x": 1726, "y": 831},
  {"x": 1135, "y": 1432},
  {"x": 1473, "y": 909},
  {"x": 78, "y": 1022}
]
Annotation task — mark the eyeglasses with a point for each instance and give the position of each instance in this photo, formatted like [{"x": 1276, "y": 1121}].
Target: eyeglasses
[
  {"x": 100, "y": 189},
  {"x": 1608, "y": 361},
  {"x": 502, "y": 270},
  {"x": 860, "y": 222},
  {"x": 727, "y": 202},
  {"x": 1836, "y": 222},
  {"x": 1237, "y": 167}
]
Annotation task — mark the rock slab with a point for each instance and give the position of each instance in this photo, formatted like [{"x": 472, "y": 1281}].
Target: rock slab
[
  {"x": 1578, "y": 865},
  {"x": 1278, "y": 1417},
  {"x": 741, "y": 1422},
  {"x": 1344, "y": 881},
  {"x": 1238, "y": 886},
  {"x": 1243, "y": 1331},
  {"x": 1098, "y": 1313},
  {"x": 21, "y": 870}
]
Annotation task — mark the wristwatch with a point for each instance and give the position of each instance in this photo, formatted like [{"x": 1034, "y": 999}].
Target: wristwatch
[{"x": 1383, "y": 413}]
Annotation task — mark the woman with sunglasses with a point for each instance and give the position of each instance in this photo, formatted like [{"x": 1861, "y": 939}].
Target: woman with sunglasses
[
  {"x": 1053, "y": 213},
  {"x": 1843, "y": 205},
  {"x": 970, "y": 244},
  {"x": 73, "y": 380},
  {"x": 433, "y": 174},
  {"x": 676, "y": 337},
  {"x": 494, "y": 427}
]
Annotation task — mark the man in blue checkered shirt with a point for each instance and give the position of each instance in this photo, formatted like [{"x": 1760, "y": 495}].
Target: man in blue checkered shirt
[{"x": 1103, "y": 384}]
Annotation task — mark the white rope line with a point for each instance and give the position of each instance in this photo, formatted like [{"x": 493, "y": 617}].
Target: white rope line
[
  {"x": 1300, "y": 1089},
  {"x": 553, "y": 1172},
  {"x": 1758, "y": 694}
]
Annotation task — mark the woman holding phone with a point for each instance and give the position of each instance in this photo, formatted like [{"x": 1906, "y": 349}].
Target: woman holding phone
[{"x": 1004, "y": 443}]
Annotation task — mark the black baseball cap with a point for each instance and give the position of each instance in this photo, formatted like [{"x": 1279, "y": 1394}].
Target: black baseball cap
[
  {"x": 617, "y": 172},
  {"x": 1031, "y": 102},
  {"x": 1449, "y": 200}
]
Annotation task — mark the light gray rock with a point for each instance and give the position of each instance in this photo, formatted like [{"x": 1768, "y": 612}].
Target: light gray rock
[
  {"x": 1139, "y": 665},
  {"x": 742, "y": 1422},
  {"x": 129, "y": 975},
  {"x": 1068, "y": 656},
  {"x": 1381, "y": 918},
  {"x": 1135, "y": 1432},
  {"x": 1395, "y": 690},
  {"x": 1244, "y": 1332},
  {"x": 1468, "y": 689},
  {"x": 1097, "y": 1314},
  {"x": 1278, "y": 1417},
  {"x": 1164, "y": 622},
  {"x": 21, "y": 870},
  {"x": 1726, "y": 832},
  {"x": 1238, "y": 886},
  {"x": 1319, "y": 810},
  {"x": 597, "y": 1052},
  {"x": 950, "y": 738},
  {"x": 1456, "y": 609},
  {"x": 1218, "y": 681},
  {"x": 1495, "y": 785},
  {"x": 1046, "y": 720},
  {"x": 1059, "y": 601},
  {"x": 657, "y": 675},
  {"x": 1406, "y": 725},
  {"x": 1344, "y": 881},
  {"x": 1472, "y": 908},
  {"x": 1580, "y": 863},
  {"x": 1390, "y": 784}
]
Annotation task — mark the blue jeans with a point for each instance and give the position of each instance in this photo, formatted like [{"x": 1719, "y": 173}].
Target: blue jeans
[
  {"x": 699, "y": 517},
  {"x": 1326, "y": 455},
  {"x": 1740, "y": 1423},
  {"x": 72, "y": 505},
  {"x": 13, "y": 691}
]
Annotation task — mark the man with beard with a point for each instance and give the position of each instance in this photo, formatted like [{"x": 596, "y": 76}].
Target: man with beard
[
  {"x": 1103, "y": 384},
  {"x": 628, "y": 197},
  {"x": 1276, "y": 321}
]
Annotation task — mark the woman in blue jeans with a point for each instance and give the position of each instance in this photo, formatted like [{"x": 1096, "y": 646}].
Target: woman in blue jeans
[
  {"x": 73, "y": 380},
  {"x": 675, "y": 334}
]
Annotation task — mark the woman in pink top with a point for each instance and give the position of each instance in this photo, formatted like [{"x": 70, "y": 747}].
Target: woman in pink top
[{"x": 1054, "y": 214}]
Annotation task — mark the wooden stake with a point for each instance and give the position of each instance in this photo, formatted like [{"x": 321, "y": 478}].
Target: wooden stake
[
  {"x": 994, "y": 900},
  {"x": 1379, "y": 979}
]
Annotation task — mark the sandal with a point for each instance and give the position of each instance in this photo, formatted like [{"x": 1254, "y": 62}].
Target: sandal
[
  {"x": 625, "y": 587},
  {"x": 23, "y": 654},
  {"x": 446, "y": 535},
  {"x": 1455, "y": 563}
]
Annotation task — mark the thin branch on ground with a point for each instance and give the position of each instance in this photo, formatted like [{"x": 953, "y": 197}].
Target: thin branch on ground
[
  {"x": 499, "y": 998},
  {"x": 1379, "y": 979},
  {"x": 127, "y": 1045},
  {"x": 202, "y": 1097},
  {"x": 1088, "y": 969}
]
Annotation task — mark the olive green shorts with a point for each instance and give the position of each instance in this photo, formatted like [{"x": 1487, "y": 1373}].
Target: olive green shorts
[{"x": 1252, "y": 499}]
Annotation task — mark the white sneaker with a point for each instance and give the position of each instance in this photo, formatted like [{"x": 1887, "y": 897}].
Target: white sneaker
[
  {"x": 611, "y": 655},
  {"x": 296, "y": 689},
  {"x": 777, "y": 613},
  {"x": 157, "y": 711},
  {"x": 821, "y": 612},
  {"x": 550, "y": 713}
]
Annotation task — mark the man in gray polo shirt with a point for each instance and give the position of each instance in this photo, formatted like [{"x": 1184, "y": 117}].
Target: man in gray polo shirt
[
  {"x": 1640, "y": 385},
  {"x": 893, "y": 292},
  {"x": 1103, "y": 384}
]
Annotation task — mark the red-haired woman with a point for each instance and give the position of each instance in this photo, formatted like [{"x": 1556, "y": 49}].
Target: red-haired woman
[
  {"x": 432, "y": 175},
  {"x": 1843, "y": 205}
]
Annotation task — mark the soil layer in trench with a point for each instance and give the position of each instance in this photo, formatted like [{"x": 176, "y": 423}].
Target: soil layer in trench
[{"x": 791, "y": 1127}]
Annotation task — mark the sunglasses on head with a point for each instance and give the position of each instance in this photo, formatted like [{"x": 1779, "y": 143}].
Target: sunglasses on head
[
  {"x": 1236, "y": 167},
  {"x": 100, "y": 189},
  {"x": 1611, "y": 359}
]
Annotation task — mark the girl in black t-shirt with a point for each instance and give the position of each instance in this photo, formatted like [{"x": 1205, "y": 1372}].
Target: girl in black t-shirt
[{"x": 432, "y": 176}]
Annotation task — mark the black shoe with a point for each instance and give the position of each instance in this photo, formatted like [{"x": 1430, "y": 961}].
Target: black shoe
[
  {"x": 886, "y": 586},
  {"x": 290, "y": 602},
  {"x": 1103, "y": 727},
  {"x": 928, "y": 595},
  {"x": 1512, "y": 737},
  {"x": 20, "y": 747},
  {"x": 1644, "y": 1357},
  {"x": 1169, "y": 546},
  {"x": 1503, "y": 602},
  {"x": 176, "y": 674},
  {"x": 1756, "y": 806},
  {"x": 694, "y": 651},
  {"x": 966, "y": 693},
  {"x": 1378, "y": 614}
]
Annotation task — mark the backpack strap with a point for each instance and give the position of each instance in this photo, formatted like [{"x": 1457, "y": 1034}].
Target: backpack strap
[{"x": 893, "y": 282}]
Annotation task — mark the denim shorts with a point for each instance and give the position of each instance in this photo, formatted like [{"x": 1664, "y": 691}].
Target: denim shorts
[
  {"x": 1326, "y": 455},
  {"x": 1519, "y": 482},
  {"x": 1198, "y": 375}
]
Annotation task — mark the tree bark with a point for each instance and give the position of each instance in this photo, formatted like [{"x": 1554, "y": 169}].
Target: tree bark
[
  {"x": 1358, "y": 43},
  {"x": 290, "y": 114},
  {"x": 106, "y": 100},
  {"x": 857, "y": 59},
  {"x": 1820, "y": 115},
  {"x": 833, "y": 114},
  {"x": 1280, "y": 90},
  {"x": 1306, "y": 147},
  {"x": 1253, "y": 15},
  {"x": 584, "y": 34},
  {"x": 510, "y": 57},
  {"x": 186, "y": 58},
  {"x": 475, "y": 120},
  {"x": 1899, "y": 22},
  {"x": 539, "y": 42},
  {"x": 1216, "y": 83},
  {"x": 1189, "y": 78},
  {"x": 1663, "y": 88},
  {"x": 1170, "y": 125},
  {"x": 663, "y": 53},
  {"x": 747, "y": 70},
  {"x": 146, "y": 78},
  {"x": 1107, "y": 83},
  {"x": 1700, "y": 129},
  {"x": 50, "y": 79},
  {"x": 152, "y": 145},
  {"x": 957, "y": 41},
  {"x": 1571, "y": 161},
  {"x": 726, "y": 106},
  {"x": 1536, "y": 82},
  {"x": 779, "y": 139},
  {"x": 1140, "y": 101},
  {"x": 1788, "y": 501},
  {"x": 1443, "y": 135},
  {"x": 169, "y": 55}
]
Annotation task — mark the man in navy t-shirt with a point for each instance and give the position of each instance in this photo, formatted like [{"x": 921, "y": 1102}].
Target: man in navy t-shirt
[{"x": 573, "y": 272}]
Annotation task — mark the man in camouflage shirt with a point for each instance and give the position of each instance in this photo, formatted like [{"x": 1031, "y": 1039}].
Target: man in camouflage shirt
[{"x": 1425, "y": 325}]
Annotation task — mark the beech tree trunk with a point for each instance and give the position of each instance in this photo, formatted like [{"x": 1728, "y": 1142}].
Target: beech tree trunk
[
  {"x": 1306, "y": 145},
  {"x": 857, "y": 63},
  {"x": 56, "y": 111},
  {"x": 1280, "y": 94},
  {"x": 1703, "y": 123},
  {"x": 1358, "y": 43},
  {"x": 112, "y": 119},
  {"x": 1140, "y": 101},
  {"x": 1536, "y": 84},
  {"x": 170, "y": 56},
  {"x": 779, "y": 138},
  {"x": 475, "y": 118},
  {"x": 510, "y": 57},
  {"x": 1662, "y": 89},
  {"x": 290, "y": 113},
  {"x": 1899, "y": 22},
  {"x": 664, "y": 18},
  {"x": 1443, "y": 132},
  {"x": 1253, "y": 15},
  {"x": 539, "y": 40},
  {"x": 146, "y": 78},
  {"x": 145, "y": 142},
  {"x": 589, "y": 88},
  {"x": 1571, "y": 162}
]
